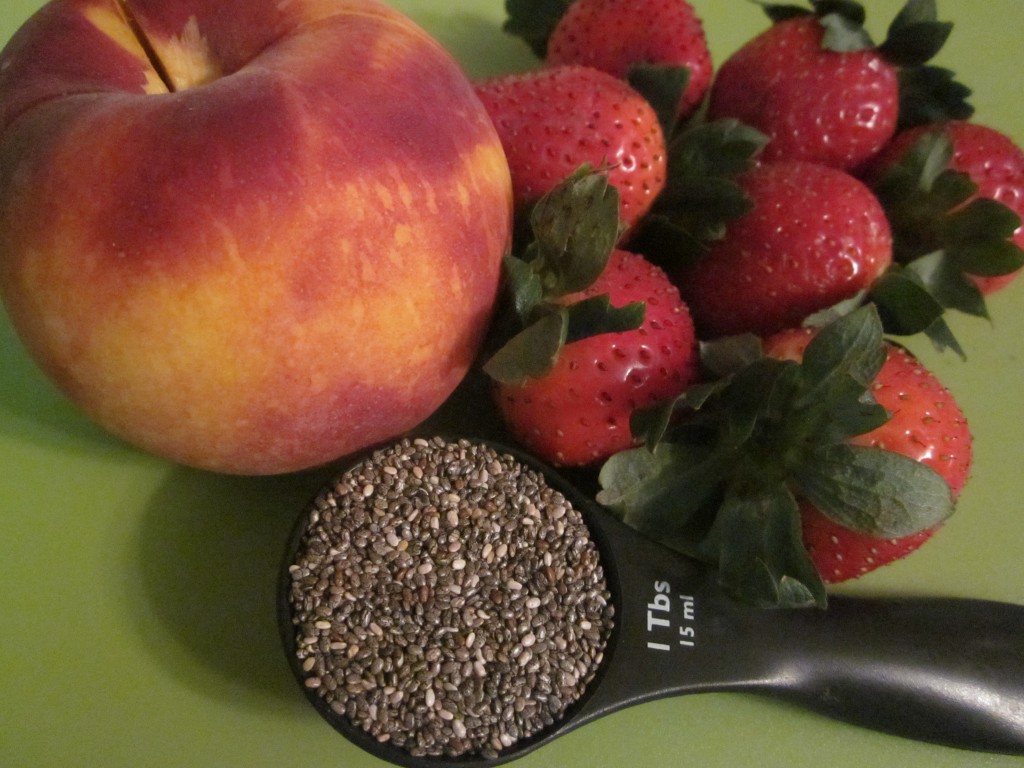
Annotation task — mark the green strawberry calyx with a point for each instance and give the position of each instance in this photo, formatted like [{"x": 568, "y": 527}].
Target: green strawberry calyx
[
  {"x": 723, "y": 466},
  {"x": 843, "y": 21},
  {"x": 534, "y": 21},
  {"x": 702, "y": 191},
  {"x": 575, "y": 228},
  {"x": 942, "y": 234},
  {"x": 663, "y": 86},
  {"x": 928, "y": 93},
  {"x": 914, "y": 36}
]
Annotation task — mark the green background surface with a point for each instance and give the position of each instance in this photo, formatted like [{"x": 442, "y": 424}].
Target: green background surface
[{"x": 136, "y": 607}]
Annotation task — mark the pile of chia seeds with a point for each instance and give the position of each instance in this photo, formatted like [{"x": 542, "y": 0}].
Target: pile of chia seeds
[{"x": 447, "y": 600}]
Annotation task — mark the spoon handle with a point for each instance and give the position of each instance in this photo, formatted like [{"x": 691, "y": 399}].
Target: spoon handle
[{"x": 942, "y": 670}]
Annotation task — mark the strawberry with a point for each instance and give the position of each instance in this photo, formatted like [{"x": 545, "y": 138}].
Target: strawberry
[
  {"x": 596, "y": 331},
  {"x": 820, "y": 89},
  {"x": 992, "y": 162},
  {"x": 578, "y": 413},
  {"x": 813, "y": 236},
  {"x": 617, "y": 35},
  {"x": 954, "y": 195},
  {"x": 553, "y": 121},
  {"x": 926, "y": 424},
  {"x": 731, "y": 468},
  {"x": 841, "y": 554}
]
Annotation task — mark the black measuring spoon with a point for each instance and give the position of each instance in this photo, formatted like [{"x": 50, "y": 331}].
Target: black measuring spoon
[{"x": 943, "y": 670}]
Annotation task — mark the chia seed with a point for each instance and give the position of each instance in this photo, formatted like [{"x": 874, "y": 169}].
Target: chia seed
[{"x": 439, "y": 592}]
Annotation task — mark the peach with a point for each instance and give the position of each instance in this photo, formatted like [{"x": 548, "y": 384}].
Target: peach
[{"x": 251, "y": 236}]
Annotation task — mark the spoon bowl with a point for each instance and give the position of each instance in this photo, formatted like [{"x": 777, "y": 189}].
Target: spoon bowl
[{"x": 943, "y": 670}]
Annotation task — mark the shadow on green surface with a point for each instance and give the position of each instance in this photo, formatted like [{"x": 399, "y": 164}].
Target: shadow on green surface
[
  {"x": 204, "y": 566},
  {"x": 32, "y": 409},
  {"x": 208, "y": 552},
  {"x": 206, "y": 560}
]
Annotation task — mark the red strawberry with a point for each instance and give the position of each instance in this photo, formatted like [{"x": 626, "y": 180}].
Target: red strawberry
[
  {"x": 926, "y": 424},
  {"x": 840, "y": 554},
  {"x": 992, "y": 161},
  {"x": 615, "y": 35},
  {"x": 553, "y": 121},
  {"x": 828, "y": 106},
  {"x": 813, "y": 237},
  {"x": 727, "y": 465},
  {"x": 817, "y": 85},
  {"x": 579, "y": 412}
]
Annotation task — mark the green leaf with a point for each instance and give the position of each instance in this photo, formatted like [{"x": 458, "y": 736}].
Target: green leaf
[
  {"x": 701, "y": 193},
  {"x": 596, "y": 315},
  {"x": 930, "y": 158},
  {"x": 851, "y": 416},
  {"x": 988, "y": 258},
  {"x": 850, "y": 10},
  {"x": 915, "y": 34},
  {"x": 534, "y": 21},
  {"x": 840, "y": 309},
  {"x": 921, "y": 186},
  {"x": 947, "y": 283},
  {"x": 720, "y": 148},
  {"x": 942, "y": 338},
  {"x": 951, "y": 189},
  {"x": 662, "y": 493},
  {"x": 701, "y": 208},
  {"x": 723, "y": 461},
  {"x": 756, "y": 541},
  {"x": 915, "y": 12},
  {"x": 941, "y": 237},
  {"x": 873, "y": 491},
  {"x": 782, "y": 12},
  {"x": 904, "y": 304},
  {"x": 849, "y": 347},
  {"x": 728, "y": 355},
  {"x": 754, "y": 407},
  {"x": 913, "y": 46},
  {"x": 523, "y": 286},
  {"x": 931, "y": 94},
  {"x": 576, "y": 227},
  {"x": 839, "y": 365},
  {"x": 844, "y": 35},
  {"x": 663, "y": 86},
  {"x": 903, "y": 188},
  {"x": 669, "y": 244},
  {"x": 625, "y": 477},
  {"x": 795, "y": 594},
  {"x": 981, "y": 219},
  {"x": 697, "y": 395},
  {"x": 649, "y": 424},
  {"x": 531, "y": 353}
]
